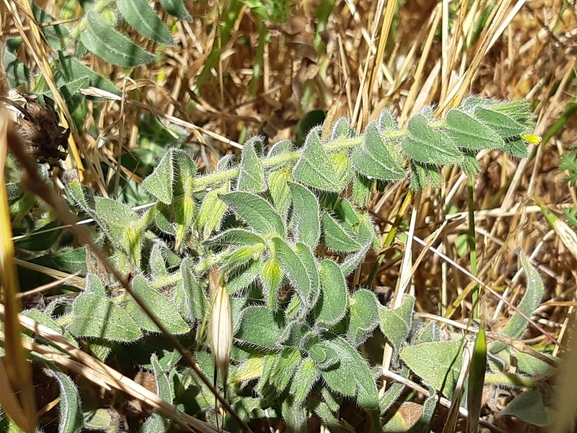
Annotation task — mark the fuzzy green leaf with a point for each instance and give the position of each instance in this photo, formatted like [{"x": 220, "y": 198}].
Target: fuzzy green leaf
[
  {"x": 294, "y": 269},
  {"x": 325, "y": 358},
  {"x": 176, "y": 8},
  {"x": 294, "y": 415},
  {"x": 194, "y": 296},
  {"x": 352, "y": 376},
  {"x": 306, "y": 215},
  {"x": 429, "y": 146},
  {"x": 156, "y": 263},
  {"x": 530, "y": 301},
  {"x": 256, "y": 211},
  {"x": 279, "y": 190},
  {"x": 159, "y": 183},
  {"x": 260, "y": 328},
  {"x": 106, "y": 42},
  {"x": 251, "y": 176},
  {"x": 332, "y": 306},
  {"x": 364, "y": 316},
  {"x": 244, "y": 276},
  {"x": 164, "y": 387},
  {"x": 144, "y": 20},
  {"x": 70, "y": 420},
  {"x": 96, "y": 316},
  {"x": 164, "y": 310},
  {"x": 211, "y": 212},
  {"x": 502, "y": 124},
  {"x": 235, "y": 237},
  {"x": 433, "y": 361},
  {"x": 529, "y": 407},
  {"x": 94, "y": 285},
  {"x": 515, "y": 146},
  {"x": 305, "y": 377},
  {"x": 468, "y": 132},
  {"x": 373, "y": 158},
  {"x": 396, "y": 324},
  {"x": 336, "y": 236},
  {"x": 72, "y": 69},
  {"x": 341, "y": 129},
  {"x": 285, "y": 365},
  {"x": 314, "y": 167},
  {"x": 307, "y": 257},
  {"x": 272, "y": 276}
]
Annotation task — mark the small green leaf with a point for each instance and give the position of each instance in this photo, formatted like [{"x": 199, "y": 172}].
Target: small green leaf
[
  {"x": 515, "y": 146},
  {"x": 294, "y": 269},
  {"x": 70, "y": 419},
  {"x": 468, "y": 132},
  {"x": 314, "y": 167},
  {"x": 366, "y": 237},
  {"x": 106, "y": 42},
  {"x": 363, "y": 316},
  {"x": 96, "y": 316},
  {"x": 336, "y": 237},
  {"x": 272, "y": 276},
  {"x": 194, "y": 295},
  {"x": 305, "y": 377},
  {"x": 72, "y": 69},
  {"x": 386, "y": 122},
  {"x": 429, "y": 146},
  {"x": 159, "y": 183},
  {"x": 260, "y": 328},
  {"x": 144, "y": 20},
  {"x": 156, "y": 263},
  {"x": 164, "y": 387},
  {"x": 325, "y": 358},
  {"x": 396, "y": 324},
  {"x": 176, "y": 8},
  {"x": 341, "y": 129},
  {"x": 17, "y": 72},
  {"x": 352, "y": 376},
  {"x": 251, "y": 176},
  {"x": 332, "y": 306},
  {"x": 256, "y": 211},
  {"x": 306, "y": 215},
  {"x": 279, "y": 190},
  {"x": 435, "y": 361},
  {"x": 285, "y": 366},
  {"x": 530, "y": 301},
  {"x": 235, "y": 237},
  {"x": 294, "y": 415},
  {"x": 94, "y": 285},
  {"x": 164, "y": 310},
  {"x": 307, "y": 257},
  {"x": 211, "y": 212},
  {"x": 501, "y": 123},
  {"x": 529, "y": 407},
  {"x": 241, "y": 256},
  {"x": 184, "y": 208},
  {"x": 373, "y": 158},
  {"x": 155, "y": 423},
  {"x": 243, "y": 276}
]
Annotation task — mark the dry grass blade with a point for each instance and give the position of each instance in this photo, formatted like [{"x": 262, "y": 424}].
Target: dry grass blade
[{"x": 18, "y": 375}]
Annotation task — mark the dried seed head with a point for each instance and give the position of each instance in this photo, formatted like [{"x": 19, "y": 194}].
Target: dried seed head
[{"x": 220, "y": 326}]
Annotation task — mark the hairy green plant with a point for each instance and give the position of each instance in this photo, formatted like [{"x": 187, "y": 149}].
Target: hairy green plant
[{"x": 286, "y": 227}]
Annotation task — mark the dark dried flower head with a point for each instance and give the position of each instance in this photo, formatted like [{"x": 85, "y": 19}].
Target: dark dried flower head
[{"x": 39, "y": 126}]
